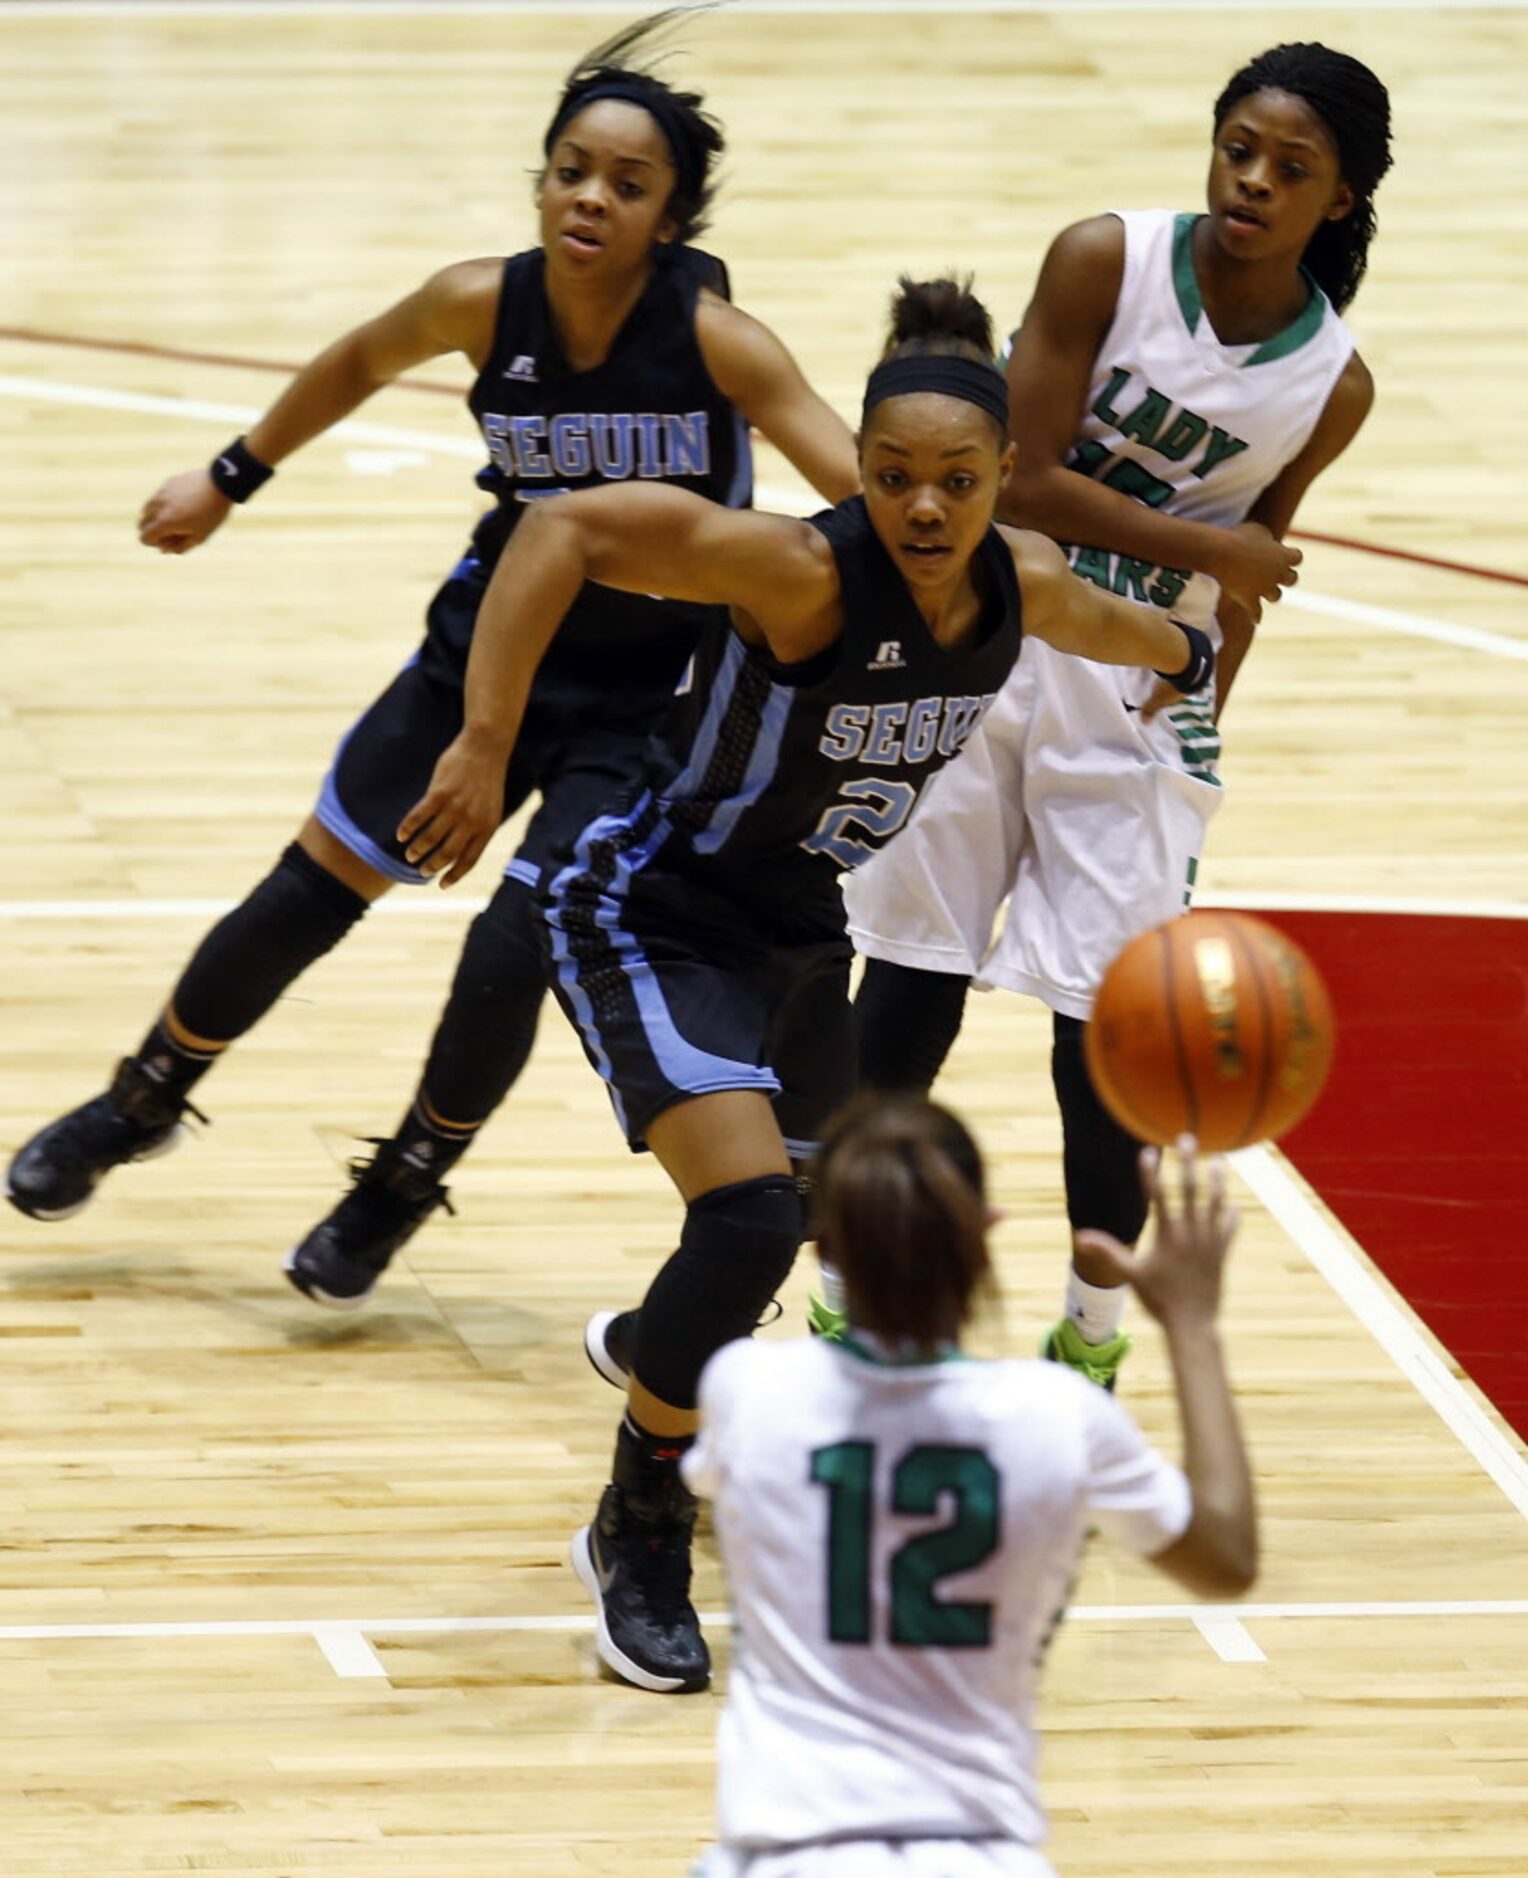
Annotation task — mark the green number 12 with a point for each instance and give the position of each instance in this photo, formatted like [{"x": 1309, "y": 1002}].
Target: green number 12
[{"x": 919, "y": 1481}]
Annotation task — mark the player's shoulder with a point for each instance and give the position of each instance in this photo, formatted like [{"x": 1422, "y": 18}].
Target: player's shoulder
[
  {"x": 468, "y": 280},
  {"x": 1095, "y": 239}
]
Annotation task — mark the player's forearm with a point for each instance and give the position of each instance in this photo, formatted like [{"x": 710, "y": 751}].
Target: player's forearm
[
  {"x": 533, "y": 586},
  {"x": 327, "y": 389},
  {"x": 1118, "y": 632},
  {"x": 1219, "y": 1549},
  {"x": 1237, "y": 628},
  {"x": 1073, "y": 508}
]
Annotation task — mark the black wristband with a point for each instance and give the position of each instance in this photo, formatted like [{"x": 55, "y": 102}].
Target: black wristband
[
  {"x": 1201, "y": 661},
  {"x": 237, "y": 472}
]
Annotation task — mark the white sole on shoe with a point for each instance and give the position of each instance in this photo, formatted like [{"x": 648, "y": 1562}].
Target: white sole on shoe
[
  {"x": 582, "y": 1555},
  {"x": 171, "y": 1142},
  {"x": 599, "y": 1357},
  {"x": 316, "y": 1294}
]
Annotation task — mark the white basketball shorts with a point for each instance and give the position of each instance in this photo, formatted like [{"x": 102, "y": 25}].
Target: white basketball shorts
[{"x": 1089, "y": 821}]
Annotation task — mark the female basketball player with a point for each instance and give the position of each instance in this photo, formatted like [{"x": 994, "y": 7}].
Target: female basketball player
[
  {"x": 1177, "y": 385},
  {"x": 901, "y": 1526},
  {"x": 602, "y": 355},
  {"x": 697, "y": 931}
]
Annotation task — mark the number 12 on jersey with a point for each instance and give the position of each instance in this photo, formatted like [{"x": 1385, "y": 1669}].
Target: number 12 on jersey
[{"x": 925, "y": 1479}]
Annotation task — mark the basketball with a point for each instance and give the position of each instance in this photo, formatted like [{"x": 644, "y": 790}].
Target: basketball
[{"x": 1213, "y": 1025}]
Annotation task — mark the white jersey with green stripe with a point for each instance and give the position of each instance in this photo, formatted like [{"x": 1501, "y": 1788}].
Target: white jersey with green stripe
[
  {"x": 1185, "y": 423},
  {"x": 900, "y": 1541}
]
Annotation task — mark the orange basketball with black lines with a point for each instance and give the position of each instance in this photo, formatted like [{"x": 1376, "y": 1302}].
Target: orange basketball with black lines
[{"x": 1213, "y": 1025}]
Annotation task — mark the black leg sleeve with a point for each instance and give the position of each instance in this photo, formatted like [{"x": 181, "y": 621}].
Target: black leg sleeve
[
  {"x": 906, "y": 1021},
  {"x": 1100, "y": 1159},
  {"x": 486, "y": 1031}
]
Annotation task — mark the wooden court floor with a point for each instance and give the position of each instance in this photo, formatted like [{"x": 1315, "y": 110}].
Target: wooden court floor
[{"x": 282, "y": 1593}]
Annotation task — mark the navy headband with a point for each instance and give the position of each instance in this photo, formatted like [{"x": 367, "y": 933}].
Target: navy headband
[
  {"x": 944, "y": 372},
  {"x": 673, "y": 118}
]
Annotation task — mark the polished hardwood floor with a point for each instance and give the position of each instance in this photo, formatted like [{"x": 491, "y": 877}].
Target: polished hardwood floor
[{"x": 284, "y": 1593}]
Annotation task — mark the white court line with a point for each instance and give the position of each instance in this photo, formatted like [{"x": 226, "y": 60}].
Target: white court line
[
  {"x": 1415, "y": 625},
  {"x": 1229, "y": 1638},
  {"x": 1386, "y": 619},
  {"x": 1391, "y": 1325},
  {"x": 200, "y": 410},
  {"x": 347, "y": 1651},
  {"x": 345, "y": 1646}
]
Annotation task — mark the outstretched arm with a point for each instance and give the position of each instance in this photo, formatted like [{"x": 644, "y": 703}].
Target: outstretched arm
[
  {"x": 652, "y": 539},
  {"x": 1075, "y": 616},
  {"x": 1178, "y": 1279},
  {"x": 1050, "y": 372},
  {"x": 452, "y": 312},
  {"x": 754, "y": 371}
]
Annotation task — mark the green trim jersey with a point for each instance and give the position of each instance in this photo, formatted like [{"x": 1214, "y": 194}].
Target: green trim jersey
[
  {"x": 1087, "y": 818},
  {"x": 900, "y": 1543},
  {"x": 1186, "y": 424}
]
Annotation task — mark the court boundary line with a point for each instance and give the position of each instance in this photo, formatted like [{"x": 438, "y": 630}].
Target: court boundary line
[
  {"x": 1378, "y": 1309},
  {"x": 140, "y": 348},
  {"x": 392, "y": 436},
  {"x": 346, "y": 1642}
]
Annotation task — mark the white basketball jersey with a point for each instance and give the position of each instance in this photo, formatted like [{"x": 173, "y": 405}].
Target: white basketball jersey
[
  {"x": 1184, "y": 423},
  {"x": 900, "y": 1542}
]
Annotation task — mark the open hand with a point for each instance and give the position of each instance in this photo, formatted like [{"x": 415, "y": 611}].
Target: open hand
[{"x": 1179, "y": 1272}]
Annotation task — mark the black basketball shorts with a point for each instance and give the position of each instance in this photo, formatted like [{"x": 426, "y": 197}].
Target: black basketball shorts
[{"x": 678, "y": 989}]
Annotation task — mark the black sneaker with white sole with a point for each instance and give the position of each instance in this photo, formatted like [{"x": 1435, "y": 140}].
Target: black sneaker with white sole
[
  {"x": 55, "y": 1174},
  {"x": 634, "y": 1561},
  {"x": 340, "y": 1261}
]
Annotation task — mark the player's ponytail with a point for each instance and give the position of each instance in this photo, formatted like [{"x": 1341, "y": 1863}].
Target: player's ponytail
[
  {"x": 1355, "y": 108},
  {"x": 901, "y": 1212},
  {"x": 940, "y": 341},
  {"x": 695, "y": 139},
  {"x": 939, "y": 318}
]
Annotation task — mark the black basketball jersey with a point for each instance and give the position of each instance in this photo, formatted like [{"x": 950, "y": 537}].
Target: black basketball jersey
[
  {"x": 758, "y": 761},
  {"x": 649, "y": 411}
]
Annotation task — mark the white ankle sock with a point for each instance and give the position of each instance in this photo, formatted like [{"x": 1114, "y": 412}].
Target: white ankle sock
[
  {"x": 830, "y": 1287},
  {"x": 1096, "y": 1310}
]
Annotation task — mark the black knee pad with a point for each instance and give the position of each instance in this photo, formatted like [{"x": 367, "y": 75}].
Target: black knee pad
[
  {"x": 737, "y": 1248},
  {"x": 489, "y": 1024},
  {"x": 297, "y": 914},
  {"x": 1100, "y": 1160},
  {"x": 906, "y": 1021}
]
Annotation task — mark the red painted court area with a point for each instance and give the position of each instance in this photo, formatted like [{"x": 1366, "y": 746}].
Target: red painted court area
[{"x": 1420, "y": 1143}]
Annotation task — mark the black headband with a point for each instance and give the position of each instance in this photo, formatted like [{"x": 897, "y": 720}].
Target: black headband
[
  {"x": 674, "y": 119},
  {"x": 945, "y": 372}
]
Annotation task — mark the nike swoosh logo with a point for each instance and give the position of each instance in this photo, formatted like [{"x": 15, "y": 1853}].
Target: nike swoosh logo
[{"x": 227, "y": 463}]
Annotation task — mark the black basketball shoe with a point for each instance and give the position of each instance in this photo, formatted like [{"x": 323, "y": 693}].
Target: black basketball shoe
[
  {"x": 339, "y": 1262},
  {"x": 58, "y": 1170},
  {"x": 634, "y": 1561}
]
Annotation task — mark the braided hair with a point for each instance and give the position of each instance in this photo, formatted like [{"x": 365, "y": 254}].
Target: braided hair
[
  {"x": 696, "y": 138},
  {"x": 901, "y": 1211},
  {"x": 1355, "y": 108}
]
